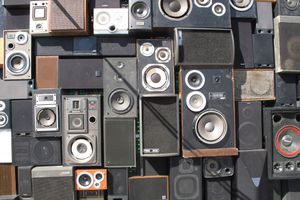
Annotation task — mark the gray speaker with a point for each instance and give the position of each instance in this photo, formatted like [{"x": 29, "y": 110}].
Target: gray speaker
[
  {"x": 140, "y": 15},
  {"x": 24, "y": 181},
  {"x": 22, "y": 89}
]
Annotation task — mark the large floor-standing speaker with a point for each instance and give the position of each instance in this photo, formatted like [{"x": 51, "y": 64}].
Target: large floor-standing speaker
[
  {"x": 207, "y": 112},
  {"x": 185, "y": 178},
  {"x": 118, "y": 184},
  {"x": 140, "y": 15},
  {"x": 159, "y": 118},
  {"x": 24, "y": 181}
]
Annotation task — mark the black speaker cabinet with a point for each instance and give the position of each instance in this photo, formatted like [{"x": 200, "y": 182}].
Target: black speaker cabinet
[
  {"x": 251, "y": 178},
  {"x": 80, "y": 73},
  {"x": 207, "y": 112},
  {"x": 140, "y": 15},
  {"x": 22, "y": 116},
  {"x": 290, "y": 190},
  {"x": 5, "y": 114},
  {"x": 118, "y": 184},
  {"x": 215, "y": 47},
  {"x": 116, "y": 46},
  {"x": 217, "y": 188},
  {"x": 119, "y": 142},
  {"x": 191, "y": 13},
  {"x": 264, "y": 23},
  {"x": 85, "y": 46},
  {"x": 249, "y": 125},
  {"x": 148, "y": 187},
  {"x": 53, "y": 46},
  {"x": 159, "y": 118},
  {"x": 243, "y": 9},
  {"x": 53, "y": 181},
  {"x": 24, "y": 181},
  {"x": 155, "y": 66},
  {"x": 286, "y": 89},
  {"x": 281, "y": 127},
  {"x": 153, "y": 166},
  {"x": 263, "y": 50},
  {"x": 216, "y": 167},
  {"x": 185, "y": 178},
  {"x": 288, "y": 8},
  {"x": 120, "y": 91},
  {"x": 286, "y": 44}
]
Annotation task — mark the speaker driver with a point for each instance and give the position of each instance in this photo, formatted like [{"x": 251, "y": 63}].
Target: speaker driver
[
  {"x": 210, "y": 126},
  {"x": 213, "y": 167},
  {"x": 147, "y": 49},
  {"x": 21, "y": 38},
  {"x": 203, "y": 3},
  {"x": 241, "y": 5},
  {"x": 17, "y": 63},
  {"x": 46, "y": 117},
  {"x": 140, "y": 10},
  {"x": 120, "y": 101},
  {"x": 81, "y": 149},
  {"x": 196, "y": 101},
  {"x": 85, "y": 180},
  {"x": 194, "y": 79},
  {"x": 292, "y": 4},
  {"x": 218, "y": 9},
  {"x": 288, "y": 141},
  {"x": 43, "y": 151},
  {"x": 156, "y": 77},
  {"x": 2, "y": 106},
  {"x": 163, "y": 55},
  {"x": 175, "y": 9},
  {"x": 3, "y": 119}
]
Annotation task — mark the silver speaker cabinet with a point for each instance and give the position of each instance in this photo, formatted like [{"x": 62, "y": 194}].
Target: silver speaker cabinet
[
  {"x": 140, "y": 15},
  {"x": 39, "y": 15},
  {"x": 81, "y": 129},
  {"x": 17, "y": 55}
]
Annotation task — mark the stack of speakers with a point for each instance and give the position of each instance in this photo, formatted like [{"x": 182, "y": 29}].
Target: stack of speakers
[{"x": 150, "y": 99}]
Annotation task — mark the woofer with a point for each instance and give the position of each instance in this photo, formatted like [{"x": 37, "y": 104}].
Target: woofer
[
  {"x": 17, "y": 63},
  {"x": 162, "y": 55},
  {"x": 140, "y": 10},
  {"x": 196, "y": 101},
  {"x": 194, "y": 79},
  {"x": 81, "y": 149},
  {"x": 156, "y": 77},
  {"x": 288, "y": 141},
  {"x": 120, "y": 101},
  {"x": 175, "y": 9},
  {"x": 241, "y": 5},
  {"x": 46, "y": 117},
  {"x": 85, "y": 180}
]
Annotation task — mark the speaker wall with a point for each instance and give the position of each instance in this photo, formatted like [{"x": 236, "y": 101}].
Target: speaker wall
[
  {"x": 22, "y": 116},
  {"x": 243, "y": 9},
  {"x": 46, "y": 72},
  {"x": 24, "y": 181},
  {"x": 287, "y": 8},
  {"x": 218, "y": 188},
  {"x": 118, "y": 187},
  {"x": 218, "y": 167},
  {"x": 140, "y": 15}
]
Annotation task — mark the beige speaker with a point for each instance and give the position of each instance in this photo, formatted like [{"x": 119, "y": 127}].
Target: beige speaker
[{"x": 254, "y": 85}]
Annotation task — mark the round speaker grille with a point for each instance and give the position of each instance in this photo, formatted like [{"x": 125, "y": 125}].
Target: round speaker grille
[
  {"x": 194, "y": 79},
  {"x": 292, "y": 4},
  {"x": 175, "y": 9},
  {"x": 46, "y": 117},
  {"x": 218, "y": 9},
  {"x": 288, "y": 141},
  {"x": 140, "y": 10},
  {"x": 147, "y": 49},
  {"x": 241, "y": 5},
  {"x": 3, "y": 119},
  {"x": 17, "y": 63},
  {"x": 81, "y": 149},
  {"x": 120, "y": 101},
  {"x": 196, "y": 101},
  {"x": 210, "y": 126},
  {"x": 21, "y": 38},
  {"x": 84, "y": 180},
  {"x": 163, "y": 55},
  {"x": 43, "y": 151},
  {"x": 156, "y": 77}
]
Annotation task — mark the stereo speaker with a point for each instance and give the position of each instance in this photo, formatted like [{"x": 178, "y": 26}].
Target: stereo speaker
[
  {"x": 119, "y": 142},
  {"x": 5, "y": 145},
  {"x": 81, "y": 124},
  {"x": 90, "y": 179},
  {"x": 287, "y": 8},
  {"x": 5, "y": 114},
  {"x": 159, "y": 118},
  {"x": 7, "y": 179},
  {"x": 218, "y": 188},
  {"x": 140, "y": 15},
  {"x": 120, "y": 91},
  {"x": 215, "y": 47},
  {"x": 53, "y": 46},
  {"x": 249, "y": 125},
  {"x": 263, "y": 50},
  {"x": 264, "y": 22},
  {"x": 22, "y": 89},
  {"x": 15, "y": 3},
  {"x": 207, "y": 112},
  {"x": 24, "y": 181},
  {"x": 185, "y": 178},
  {"x": 118, "y": 184},
  {"x": 155, "y": 66},
  {"x": 154, "y": 166},
  {"x": 148, "y": 187},
  {"x": 290, "y": 190},
  {"x": 39, "y": 16},
  {"x": 117, "y": 46},
  {"x": 80, "y": 73},
  {"x": 245, "y": 9},
  {"x": 17, "y": 55},
  {"x": 46, "y": 72},
  {"x": 286, "y": 89},
  {"x": 21, "y": 116},
  {"x": 47, "y": 183},
  {"x": 191, "y": 13},
  {"x": 1, "y": 52},
  {"x": 16, "y": 18},
  {"x": 107, "y": 3},
  {"x": 254, "y": 85},
  {"x": 85, "y": 46},
  {"x": 217, "y": 167}
]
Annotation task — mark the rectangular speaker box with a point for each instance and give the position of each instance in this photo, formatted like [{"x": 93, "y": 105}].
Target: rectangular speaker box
[
  {"x": 281, "y": 129},
  {"x": 85, "y": 46},
  {"x": 155, "y": 66},
  {"x": 22, "y": 89},
  {"x": 286, "y": 89},
  {"x": 120, "y": 80},
  {"x": 116, "y": 46},
  {"x": 140, "y": 15},
  {"x": 249, "y": 125},
  {"x": 246, "y": 10},
  {"x": 190, "y": 14},
  {"x": 286, "y": 40},
  {"x": 285, "y": 8},
  {"x": 16, "y": 18},
  {"x": 1, "y": 52},
  {"x": 97, "y": 177},
  {"x": 47, "y": 183},
  {"x": 119, "y": 143},
  {"x": 251, "y": 177},
  {"x": 5, "y": 114},
  {"x": 80, "y": 73},
  {"x": 263, "y": 50},
  {"x": 39, "y": 18},
  {"x": 155, "y": 166},
  {"x": 254, "y": 85},
  {"x": 207, "y": 101},
  {"x": 148, "y": 187},
  {"x": 24, "y": 181},
  {"x": 225, "y": 167},
  {"x": 264, "y": 22},
  {"x": 242, "y": 32},
  {"x": 7, "y": 179},
  {"x": 5, "y": 143},
  {"x": 185, "y": 178},
  {"x": 218, "y": 188},
  {"x": 290, "y": 190},
  {"x": 28, "y": 150},
  {"x": 15, "y": 3},
  {"x": 118, "y": 184},
  {"x": 159, "y": 118},
  {"x": 46, "y": 72},
  {"x": 22, "y": 116},
  {"x": 215, "y": 47},
  {"x": 53, "y": 46},
  {"x": 107, "y": 3}
]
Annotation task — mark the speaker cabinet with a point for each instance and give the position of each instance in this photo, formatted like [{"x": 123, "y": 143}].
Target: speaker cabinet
[
  {"x": 118, "y": 184},
  {"x": 159, "y": 118},
  {"x": 119, "y": 142},
  {"x": 264, "y": 22},
  {"x": 81, "y": 129},
  {"x": 80, "y": 73},
  {"x": 148, "y": 187},
  {"x": 263, "y": 50},
  {"x": 218, "y": 188},
  {"x": 22, "y": 89},
  {"x": 207, "y": 112},
  {"x": 185, "y": 178},
  {"x": 46, "y": 108},
  {"x": 243, "y": 9},
  {"x": 249, "y": 125},
  {"x": 53, "y": 46},
  {"x": 5, "y": 114},
  {"x": 290, "y": 190},
  {"x": 217, "y": 167},
  {"x": 107, "y": 3},
  {"x": 254, "y": 85},
  {"x": 24, "y": 181},
  {"x": 90, "y": 179},
  {"x": 7, "y": 179},
  {"x": 288, "y": 8},
  {"x": 140, "y": 15},
  {"x": 5, "y": 145},
  {"x": 39, "y": 16},
  {"x": 47, "y": 183},
  {"x": 191, "y": 13},
  {"x": 155, "y": 66},
  {"x": 215, "y": 47},
  {"x": 46, "y": 72},
  {"x": 109, "y": 46},
  {"x": 120, "y": 91},
  {"x": 17, "y": 55},
  {"x": 109, "y": 21},
  {"x": 281, "y": 127},
  {"x": 85, "y": 46},
  {"x": 21, "y": 116},
  {"x": 286, "y": 43},
  {"x": 286, "y": 89},
  {"x": 28, "y": 150}
]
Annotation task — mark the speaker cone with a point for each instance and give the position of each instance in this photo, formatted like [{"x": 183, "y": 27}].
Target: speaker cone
[
  {"x": 194, "y": 79},
  {"x": 163, "y": 55},
  {"x": 76, "y": 121},
  {"x": 156, "y": 77},
  {"x": 196, "y": 101},
  {"x": 81, "y": 149},
  {"x": 147, "y": 49},
  {"x": 21, "y": 38},
  {"x": 17, "y": 63},
  {"x": 241, "y": 5},
  {"x": 140, "y": 10},
  {"x": 292, "y": 4},
  {"x": 46, "y": 117},
  {"x": 288, "y": 141},
  {"x": 43, "y": 151},
  {"x": 213, "y": 167},
  {"x": 210, "y": 126},
  {"x": 120, "y": 101},
  {"x": 84, "y": 180},
  {"x": 3, "y": 119},
  {"x": 175, "y": 9}
]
